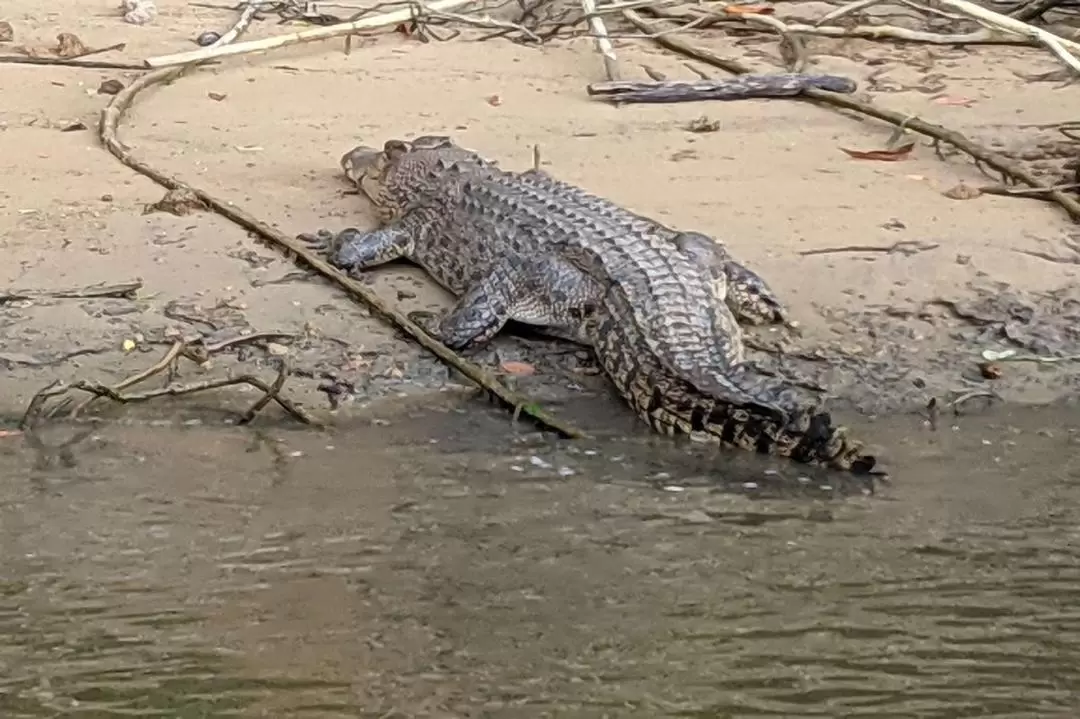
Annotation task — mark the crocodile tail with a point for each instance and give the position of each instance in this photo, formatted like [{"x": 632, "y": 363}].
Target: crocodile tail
[
  {"x": 816, "y": 440},
  {"x": 808, "y": 436}
]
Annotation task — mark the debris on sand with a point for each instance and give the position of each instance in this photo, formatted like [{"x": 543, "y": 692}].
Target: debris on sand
[{"x": 138, "y": 12}]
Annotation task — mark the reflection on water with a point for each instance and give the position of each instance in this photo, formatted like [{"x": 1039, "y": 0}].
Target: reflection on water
[{"x": 444, "y": 566}]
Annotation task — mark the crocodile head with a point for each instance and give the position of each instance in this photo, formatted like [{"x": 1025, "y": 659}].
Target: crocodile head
[{"x": 389, "y": 176}]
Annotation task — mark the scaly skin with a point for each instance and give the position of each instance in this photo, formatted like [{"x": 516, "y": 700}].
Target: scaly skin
[
  {"x": 672, "y": 291},
  {"x": 647, "y": 299}
]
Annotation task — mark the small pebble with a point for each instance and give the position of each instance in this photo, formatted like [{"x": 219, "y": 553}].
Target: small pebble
[{"x": 207, "y": 39}]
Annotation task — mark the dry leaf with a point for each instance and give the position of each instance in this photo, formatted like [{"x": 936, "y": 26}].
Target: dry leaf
[
  {"x": 962, "y": 192},
  {"x": 520, "y": 369},
  {"x": 110, "y": 87},
  {"x": 749, "y": 10},
  {"x": 494, "y": 100},
  {"x": 893, "y": 155},
  {"x": 218, "y": 96},
  {"x": 989, "y": 370}
]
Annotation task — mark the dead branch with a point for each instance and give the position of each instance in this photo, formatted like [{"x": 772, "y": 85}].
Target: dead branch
[
  {"x": 98, "y": 50},
  {"x": 65, "y": 62},
  {"x": 220, "y": 49},
  {"x": 603, "y": 42},
  {"x": 1033, "y": 9},
  {"x": 938, "y": 133},
  {"x": 903, "y": 247},
  {"x": 111, "y": 117},
  {"x": 124, "y": 290},
  {"x": 1038, "y": 193},
  {"x": 1061, "y": 47},
  {"x": 747, "y": 86},
  {"x": 38, "y": 409}
]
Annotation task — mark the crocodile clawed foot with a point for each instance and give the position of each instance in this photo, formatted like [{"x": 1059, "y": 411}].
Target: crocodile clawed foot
[
  {"x": 318, "y": 241},
  {"x": 427, "y": 321}
]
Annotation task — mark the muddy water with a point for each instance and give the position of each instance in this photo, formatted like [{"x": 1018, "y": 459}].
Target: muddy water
[{"x": 442, "y": 564}]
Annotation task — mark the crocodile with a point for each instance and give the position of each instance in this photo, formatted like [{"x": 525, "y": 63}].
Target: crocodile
[{"x": 651, "y": 302}]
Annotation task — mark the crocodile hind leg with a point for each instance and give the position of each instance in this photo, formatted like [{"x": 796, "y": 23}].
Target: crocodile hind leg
[
  {"x": 545, "y": 292},
  {"x": 744, "y": 291}
]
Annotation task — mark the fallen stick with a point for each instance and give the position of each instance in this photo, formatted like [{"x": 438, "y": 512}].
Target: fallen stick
[
  {"x": 603, "y": 42},
  {"x": 320, "y": 33},
  {"x": 124, "y": 290},
  {"x": 108, "y": 130},
  {"x": 741, "y": 88},
  {"x": 936, "y": 132},
  {"x": 1061, "y": 47},
  {"x": 98, "y": 50},
  {"x": 64, "y": 62},
  {"x": 890, "y": 32},
  {"x": 1009, "y": 24},
  {"x": 195, "y": 351}
]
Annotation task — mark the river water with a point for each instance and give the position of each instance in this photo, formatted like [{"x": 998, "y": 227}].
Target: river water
[{"x": 441, "y": 563}]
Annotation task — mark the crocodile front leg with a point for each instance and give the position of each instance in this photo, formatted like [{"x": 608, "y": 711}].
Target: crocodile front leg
[
  {"x": 544, "y": 291},
  {"x": 357, "y": 251},
  {"x": 353, "y": 250}
]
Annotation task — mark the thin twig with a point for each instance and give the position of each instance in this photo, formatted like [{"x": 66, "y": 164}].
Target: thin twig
[
  {"x": 221, "y": 49},
  {"x": 64, "y": 62},
  {"x": 603, "y": 42},
  {"x": 98, "y": 50},
  {"x": 1039, "y": 193},
  {"x": 903, "y": 247},
  {"x": 937, "y": 132},
  {"x": 111, "y": 117},
  {"x": 37, "y": 409},
  {"x": 1061, "y": 47},
  {"x": 124, "y": 290}
]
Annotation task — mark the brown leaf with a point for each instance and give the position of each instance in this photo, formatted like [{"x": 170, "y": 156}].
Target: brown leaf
[
  {"x": 520, "y": 369},
  {"x": 749, "y": 10},
  {"x": 893, "y": 155},
  {"x": 962, "y": 192},
  {"x": 494, "y": 100},
  {"x": 110, "y": 87},
  {"x": 989, "y": 370}
]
